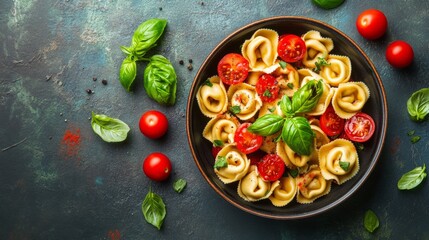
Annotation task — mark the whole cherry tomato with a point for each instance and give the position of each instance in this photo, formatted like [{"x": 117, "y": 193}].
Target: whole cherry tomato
[
  {"x": 399, "y": 54},
  {"x": 291, "y": 48},
  {"x": 153, "y": 124},
  {"x": 233, "y": 68},
  {"x": 157, "y": 166},
  {"x": 371, "y": 24}
]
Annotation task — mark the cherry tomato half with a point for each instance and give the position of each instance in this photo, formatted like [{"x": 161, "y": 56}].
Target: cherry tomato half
[
  {"x": 153, "y": 124},
  {"x": 271, "y": 167},
  {"x": 233, "y": 68},
  {"x": 267, "y": 88},
  {"x": 157, "y": 166},
  {"x": 331, "y": 123},
  {"x": 247, "y": 142},
  {"x": 360, "y": 127},
  {"x": 255, "y": 157},
  {"x": 215, "y": 151},
  {"x": 371, "y": 24},
  {"x": 399, "y": 54},
  {"x": 291, "y": 48}
]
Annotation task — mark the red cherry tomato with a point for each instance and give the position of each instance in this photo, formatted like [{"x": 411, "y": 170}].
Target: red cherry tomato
[
  {"x": 267, "y": 88},
  {"x": 271, "y": 167},
  {"x": 371, "y": 24},
  {"x": 157, "y": 166},
  {"x": 291, "y": 48},
  {"x": 331, "y": 123},
  {"x": 255, "y": 157},
  {"x": 153, "y": 124},
  {"x": 360, "y": 127},
  {"x": 399, "y": 54},
  {"x": 247, "y": 142},
  {"x": 215, "y": 151},
  {"x": 233, "y": 68}
]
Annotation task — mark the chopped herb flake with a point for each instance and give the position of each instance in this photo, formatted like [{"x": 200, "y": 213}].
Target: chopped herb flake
[
  {"x": 320, "y": 63},
  {"x": 411, "y": 133},
  {"x": 290, "y": 85},
  {"x": 282, "y": 64},
  {"x": 267, "y": 93},
  {"x": 344, "y": 165},
  {"x": 221, "y": 162},
  {"x": 235, "y": 109},
  {"x": 208, "y": 83},
  {"x": 294, "y": 172},
  {"x": 217, "y": 143},
  {"x": 415, "y": 139}
]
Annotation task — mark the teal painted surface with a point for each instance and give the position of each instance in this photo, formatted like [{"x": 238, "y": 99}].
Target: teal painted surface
[{"x": 51, "y": 50}]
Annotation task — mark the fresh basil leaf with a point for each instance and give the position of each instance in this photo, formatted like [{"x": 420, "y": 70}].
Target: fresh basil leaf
[
  {"x": 153, "y": 209},
  {"x": 267, "y": 93},
  {"x": 320, "y": 63},
  {"x": 126, "y": 50},
  {"x": 294, "y": 172},
  {"x": 418, "y": 105},
  {"x": 235, "y": 109},
  {"x": 221, "y": 162},
  {"x": 179, "y": 185},
  {"x": 128, "y": 72},
  {"x": 160, "y": 80},
  {"x": 109, "y": 129},
  {"x": 267, "y": 125},
  {"x": 328, "y": 4},
  {"x": 370, "y": 221},
  {"x": 411, "y": 133},
  {"x": 290, "y": 85},
  {"x": 282, "y": 64},
  {"x": 415, "y": 139},
  {"x": 218, "y": 143},
  {"x": 344, "y": 165},
  {"x": 412, "y": 178},
  {"x": 286, "y": 106},
  {"x": 146, "y": 35},
  {"x": 297, "y": 134},
  {"x": 307, "y": 97},
  {"x": 208, "y": 83}
]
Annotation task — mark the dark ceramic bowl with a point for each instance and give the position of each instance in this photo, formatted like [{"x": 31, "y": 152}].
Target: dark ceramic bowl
[{"x": 363, "y": 70}]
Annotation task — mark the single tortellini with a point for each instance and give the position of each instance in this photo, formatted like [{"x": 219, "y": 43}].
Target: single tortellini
[
  {"x": 285, "y": 192},
  {"x": 338, "y": 160},
  {"x": 245, "y": 98},
  {"x": 312, "y": 185},
  {"x": 253, "y": 188},
  {"x": 349, "y": 98},
  {"x": 212, "y": 98},
  {"x": 288, "y": 80},
  {"x": 290, "y": 158},
  {"x": 317, "y": 47},
  {"x": 307, "y": 75},
  {"x": 221, "y": 128},
  {"x": 237, "y": 164},
  {"x": 261, "y": 50},
  {"x": 338, "y": 70}
]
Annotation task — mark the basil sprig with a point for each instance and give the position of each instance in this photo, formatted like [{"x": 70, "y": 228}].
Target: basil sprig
[
  {"x": 418, "y": 105},
  {"x": 128, "y": 72},
  {"x": 153, "y": 209},
  {"x": 109, "y": 129},
  {"x": 146, "y": 35},
  {"x": 160, "y": 80},
  {"x": 295, "y": 130},
  {"x": 412, "y": 178}
]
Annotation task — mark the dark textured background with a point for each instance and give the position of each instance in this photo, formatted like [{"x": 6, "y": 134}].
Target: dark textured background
[{"x": 50, "y": 51}]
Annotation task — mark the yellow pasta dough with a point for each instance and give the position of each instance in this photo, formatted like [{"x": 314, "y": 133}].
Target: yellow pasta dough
[
  {"x": 244, "y": 96},
  {"x": 312, "y": 185},
  {"x": 222, "y": 128},
  {"x": 317, "y": 47},
  {"x": 261, "y": 50},
  {"x": 212, "y": 98},
  {"x": 337, "y": 71},
  {"x": 285, "y": 192},
  {"x": 253, "y": 188},
  {"x": 349, "y": 98},
  {"x": 237, "y": 164}
]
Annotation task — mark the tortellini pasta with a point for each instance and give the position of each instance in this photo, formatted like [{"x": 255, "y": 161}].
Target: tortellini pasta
[
  {"x": 338, "y": 70},
  {"x": 312, "y": 185},
  {"x": 244, "y": 97},
  {"x": 285, "y": 192},
  {"x": 237, "y": 164},
  {"x": 221, "y": 128},
  {"x": 261, "y": 50},
  {"x": 317, "y": 47},
  {"x": 349, "y": 98},
  {"x": 212, "y": 98},
  {"x": 338, "y": 160},
  {"x": 291, "y": 158},
  {"x": 253, "y": 188}
]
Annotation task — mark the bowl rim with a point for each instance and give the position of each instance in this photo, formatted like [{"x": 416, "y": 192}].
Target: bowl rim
[{"x": 376, "y": 156}]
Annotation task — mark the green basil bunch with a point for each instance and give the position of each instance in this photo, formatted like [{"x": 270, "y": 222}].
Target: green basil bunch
[
  {"x": 295, "y": 130},
  {"x": 109, "y": 129},
  {"x": 161, "y": 70},
  {"x": 160, "y": 80}
]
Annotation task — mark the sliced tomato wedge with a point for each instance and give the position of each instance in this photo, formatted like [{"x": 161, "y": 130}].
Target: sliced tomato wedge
[
  {"x": 267, "y": 88},
  {"x": 233, "y": 68},
  {"x": 247, "y": 142},
  {"x": 291, "y": 48},
  {"x": 331, "y": 123},
  {"x": 360, "y": 127},
  {"x": 271, "y": 167}
]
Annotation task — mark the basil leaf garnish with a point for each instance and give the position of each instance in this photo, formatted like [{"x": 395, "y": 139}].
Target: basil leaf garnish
[
  {"x": 146, "y": 35},
  {"x": 221, "y": 162},
  {"x": 109, "y": 129},
  {"x": 412, "y": 178},
  {"x": 370, "y": 221},
  {"x": 286, "y": 106},
  {"x": 218, "y": 143},
  {"x": 267, "y": 125},
  {"x": 282, "y": 64},
  {"x": 306, "y": 98},
  {"x": 127, "y": 72},
  {"x": 179, "y": 185},
  {"x": 235, "y": 109},
  {"x": 297, "y": 134},
  {"x": 160, "y": 80},
  {"x": 418, "y": 105},
  {"x": 328, "y": 4},
  {"x": 344, "y": 165},
  {"x": 153, "y": 209}
]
